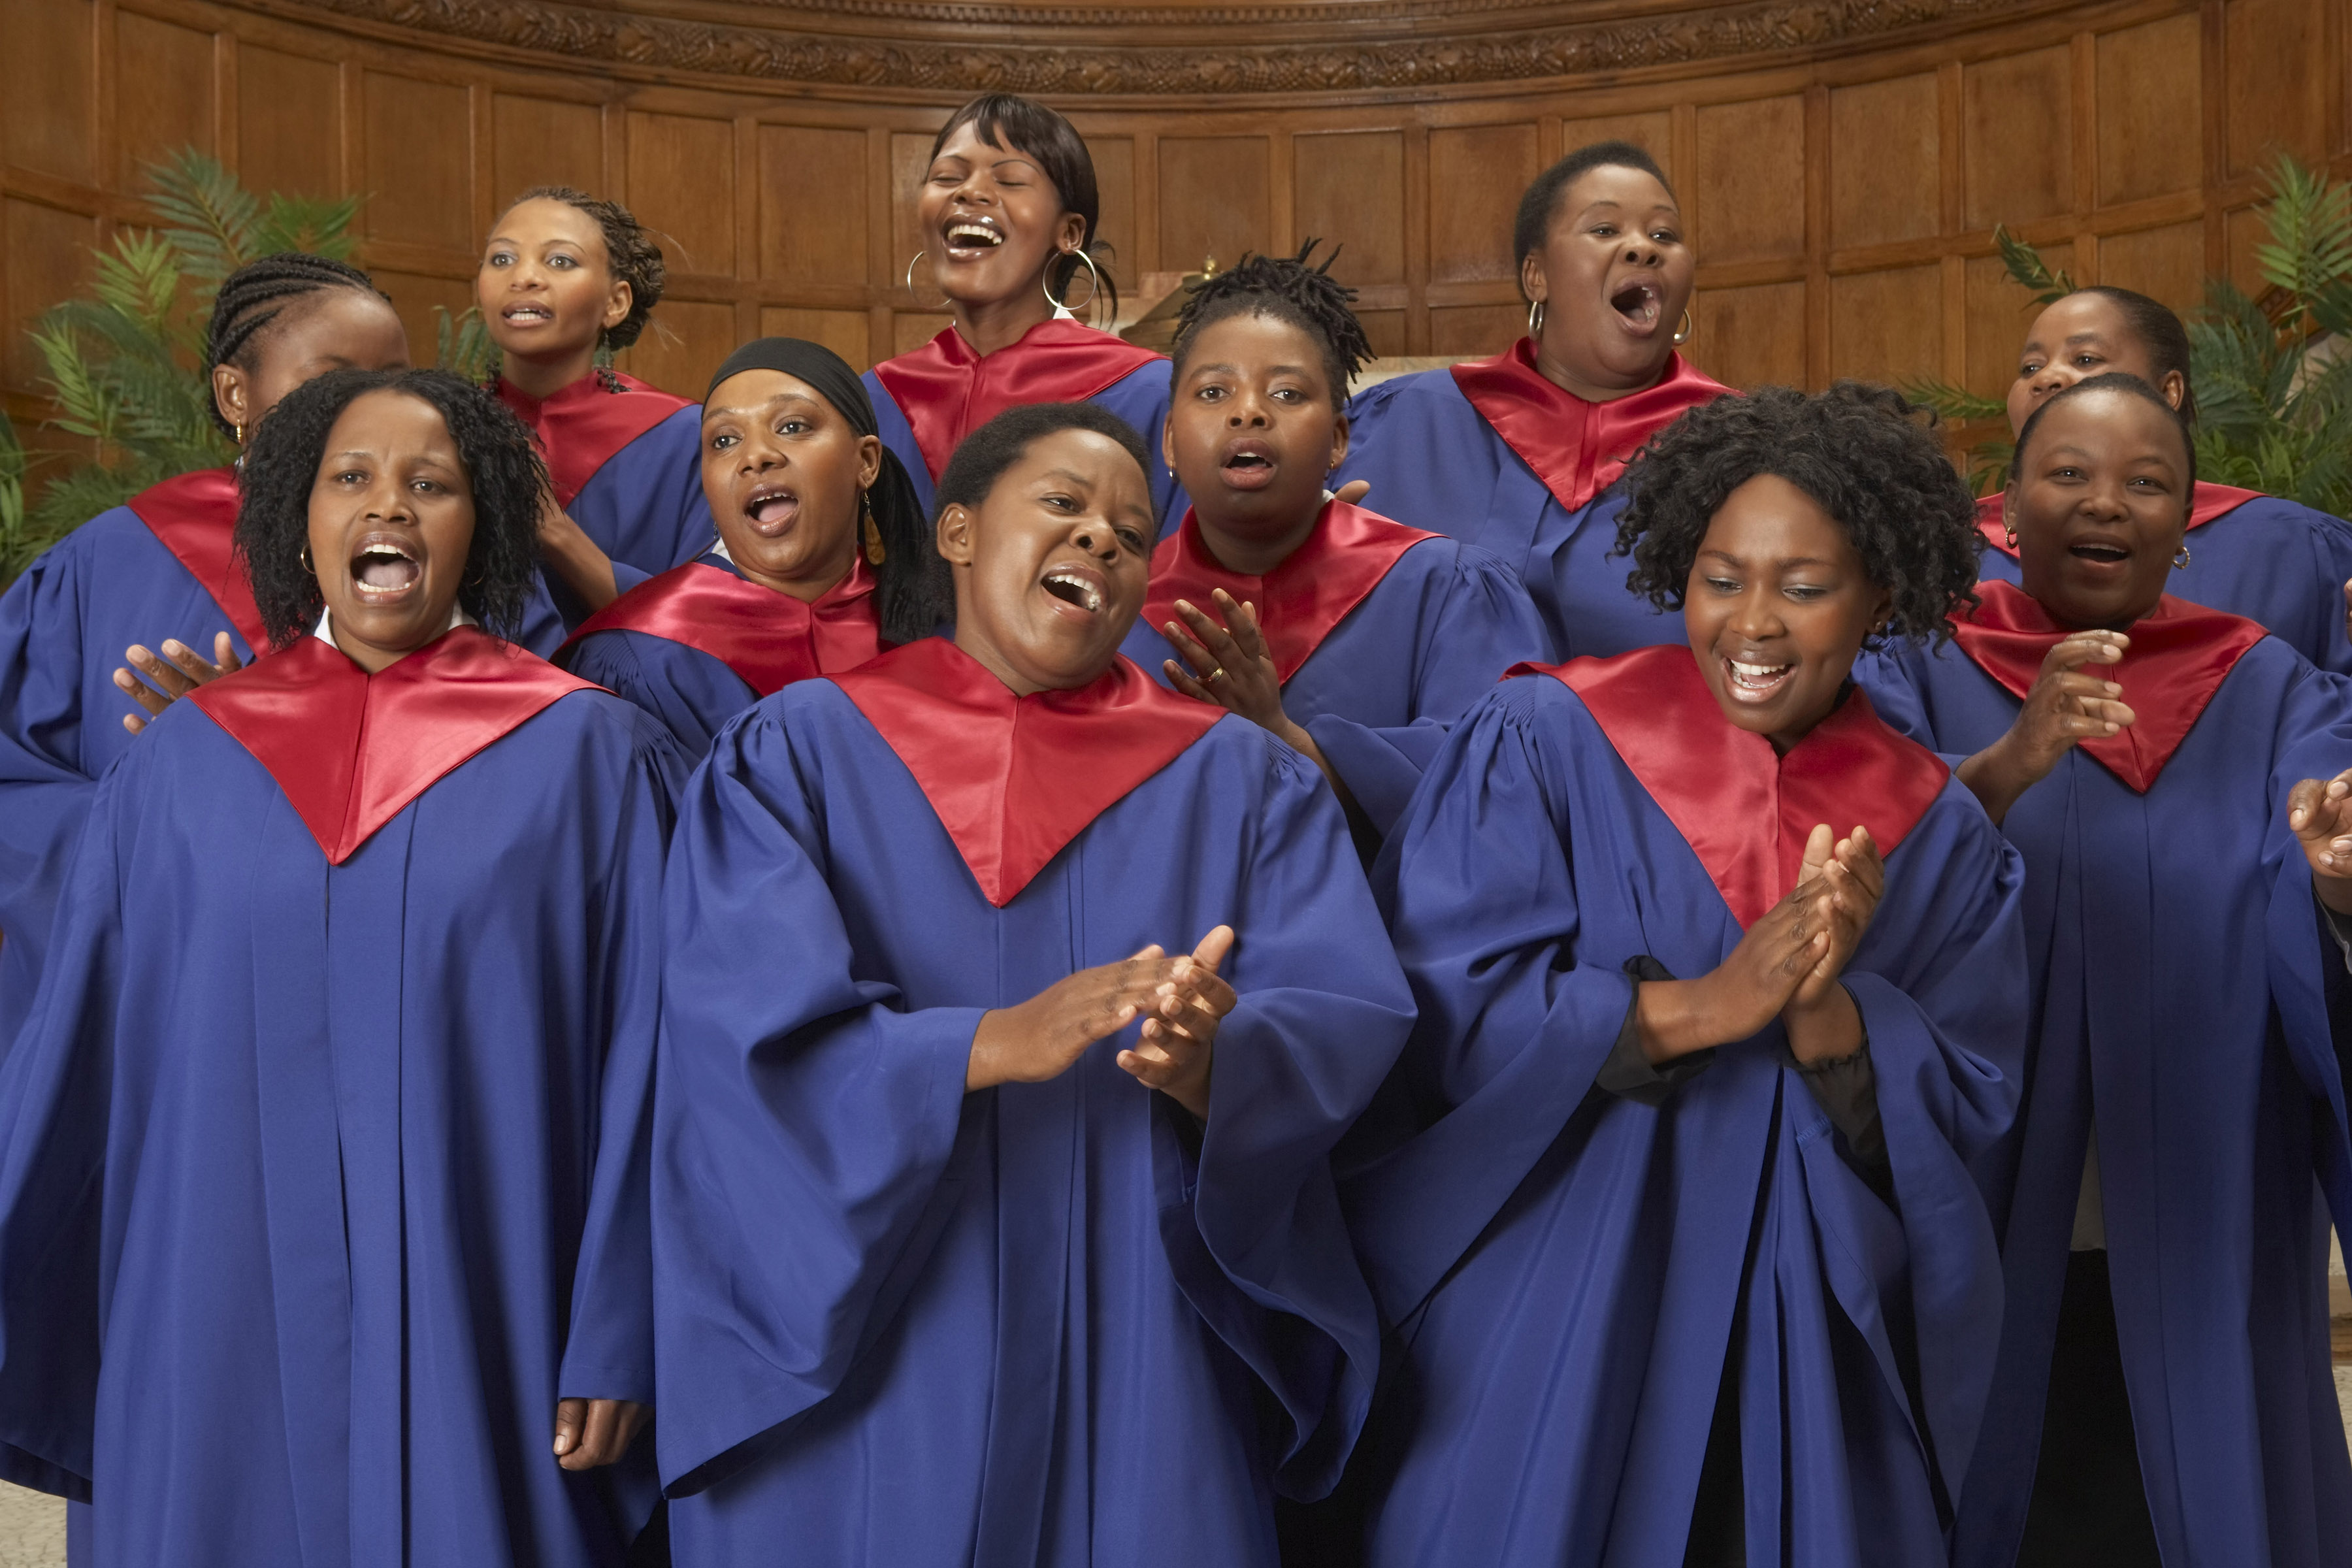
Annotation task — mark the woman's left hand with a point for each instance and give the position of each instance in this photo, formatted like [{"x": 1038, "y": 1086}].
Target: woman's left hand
[
  {"x": 1822, "y": 1021},
  {"x": 1230, "y": 665},
  {"x": 1179, "y": 1032},
  {"x": 593, "y": 1432},
  {"x": 2320, "y": 812},
  {"x": 179, "y": 671}
]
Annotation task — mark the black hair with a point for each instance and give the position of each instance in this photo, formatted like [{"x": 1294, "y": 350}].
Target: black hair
[
  {"x": 2112, "y": 381},
  {"x": 1862, "y": 452},
  {"x": 1017, "y": 124},
  {"x": 1543, "y": 193},
  {"x": 2159, "y": 332},
  {"x": 984, "y": 455},
  {"x": 1285, "y": 289},
  {"x": 502, "y": 469},
  {"x": 257, "y": 294},
  {"x": 629, "y": 250}
]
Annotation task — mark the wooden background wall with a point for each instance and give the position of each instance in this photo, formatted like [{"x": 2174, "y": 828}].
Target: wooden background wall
[{"x": 1842, "y": 207}]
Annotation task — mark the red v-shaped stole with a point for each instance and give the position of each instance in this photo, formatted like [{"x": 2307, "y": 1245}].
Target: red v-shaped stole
[
  {"x": 1015, "y": 779},
  {"x": 1298, "y": 603},
  {"x": 350, "y": 750},
  {"x": 1745, "y": 810},
  {"x": 2205, "y": 503},
  {"x": 581, "y": 426},
  {"x": 1577, "y": 448},
  {"x": 947, "y": 391},
  {"x": 2179, "y": 658},
  {"x": 194, "y": 517},
  {"x": 770, "y": 639}
]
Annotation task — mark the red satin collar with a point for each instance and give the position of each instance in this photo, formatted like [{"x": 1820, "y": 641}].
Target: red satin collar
[
  {"x": 581, "y": 426},
  {"x": 1576, "y": 447},
  {"x": 947, "y": 391},
  {"x": 1745, "y": 810},
  {"x": 1015, "y": 779},
  {"x": 1298, "y": 603},
  {"x": 2206, "y": 503},
  {"x": 770, "y": 639},
  {"x": 194, "y": 517},
  {"x": 350, "y": 750},
  {"x": 2179, "y": 658}
]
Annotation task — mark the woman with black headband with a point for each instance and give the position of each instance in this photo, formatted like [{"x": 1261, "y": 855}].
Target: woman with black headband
[{"x": 823, "y": 556}]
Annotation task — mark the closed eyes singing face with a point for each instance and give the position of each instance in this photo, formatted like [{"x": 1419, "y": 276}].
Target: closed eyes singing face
[
  {"x": 391, "y": 525},
  {"x": 991, "y": 220},
  {"x": 545, "y": 285},
  {"x": 783, "y": 472},
  {"x": 1775, "y": 609}
]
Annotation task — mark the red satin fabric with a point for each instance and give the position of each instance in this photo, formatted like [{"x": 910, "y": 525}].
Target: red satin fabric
[
  {"x": 947, "y": 391},
  {"x": 582, "y": 424},
  {"x": 2206, "y": 503},
  {"x": 194, "y": 517},
  {"x": 1745, "y": 810},
  {"x": 1576, "y": 447},
  {"x": 1015, "y": 779},
  {"x": 2179, "y": 658},
  {"x": 1298, "y": 603},
  {"x": 770, "y": 639},
  {"x": 350, "y": 750}
]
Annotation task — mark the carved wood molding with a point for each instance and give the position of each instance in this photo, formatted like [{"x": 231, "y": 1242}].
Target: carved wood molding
[{"x": 1049, "y": 52}]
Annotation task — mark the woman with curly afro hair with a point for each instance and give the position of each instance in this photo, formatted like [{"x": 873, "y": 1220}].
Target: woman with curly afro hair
[
  {"x": 2176, "y": 781},
  {"x": 328, "y": 1132},
  {"x": 565, "y": 281},
  {"x": 1720, "y": 986}
]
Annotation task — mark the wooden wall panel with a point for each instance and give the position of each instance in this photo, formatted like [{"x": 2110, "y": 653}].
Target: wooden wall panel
[
  {"x": 1350, "y": 194},
  {"x": 2277, "y": 100},
  {"x": 2150, "y": 89},
  {"x": 1886, "y": 325},
  {"x": 45, "y": 253},
  {"x": 1652, "y": 132},
  {"x": 416, "y": 296},
  {"x": 843, "y": 331},
  {"x": 682, "y": 186},
  {"x": 813, "y": 223},
  {"x": 2168, "y": 263},
  {"x": 1472, "y": 331},
  {"x": 1213, "y": 199},
  {"x": 1476, "y": 175},
  {"x": 288, "y": 121},
  {"x": 419, "y": 178},
  {"x": 1114, "y": 159},
  {"x": 171, "y": 106},
  {"x": 543, "y": 141},
  {"x": 1885, "y": 162},
  {"x": 1997, "y": 315},
  {"x": 1747, "y": 199},
  {"x": 2018, "y": 138},
  {"x": 685, "y": 343},
  {"x": 1750, "y": 337},
  {"x": 48, "y": 74}
]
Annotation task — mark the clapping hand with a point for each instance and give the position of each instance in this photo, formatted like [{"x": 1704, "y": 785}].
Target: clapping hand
[
  {"x": 1180, "y": 1029},
  {"x": 185, "y": 670},
  {"x": 2068, "y": 705},
  {"x": 2320, "y": 813}
]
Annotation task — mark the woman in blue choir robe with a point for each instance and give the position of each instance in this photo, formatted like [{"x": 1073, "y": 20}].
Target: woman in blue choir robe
[
  {"x": 565, "y": 277},
  {"x": 1006, "y": 216},
  {"x": 824, "y": 559},
  {"x": 2164, "y": 1387},
  {"x": 1357, "y": 639},
  {"x": 941, "y": 1275},
  {"x": 1684, "y": 1250},
  {"x": 2279, "y": 563},
  {"x": 151, "y": 576},
  {"x": 1519, "y": 454},
  {"x": 345, "y": 1054}
]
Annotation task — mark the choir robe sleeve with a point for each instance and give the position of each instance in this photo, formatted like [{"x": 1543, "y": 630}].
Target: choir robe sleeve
[
  {"x": 692, "y": 694},
  {"x": 1474, "y": 622}
]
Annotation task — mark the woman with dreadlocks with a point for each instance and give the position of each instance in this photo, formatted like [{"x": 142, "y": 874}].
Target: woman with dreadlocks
[
  {"x": 157, "y": 568},
  {"x": 1356, "y": 639}
]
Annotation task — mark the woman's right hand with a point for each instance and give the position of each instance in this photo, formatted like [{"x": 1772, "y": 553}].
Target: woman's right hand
[
  {"x": 167, "y": 682},
  {"x": 2067, "y": 705},
  {"x": 1745, "y": 991},
  {"x": 1040, "y": 1038}
]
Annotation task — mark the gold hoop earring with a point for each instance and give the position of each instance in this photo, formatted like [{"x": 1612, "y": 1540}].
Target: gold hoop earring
[
  {"x": 1535, "y": 318},
  {"x": 875, "y": 554},
  {"x": 240, "y": 434},
  {"x": 1688, "y": 329},
  {"x": 2011, "y": 532},
  {"x": 303, "y": 555},
  {"x": 1092, "y": 271},
  {"x": 2180, "y": 561},
  {"x": 910, "y": 284}
]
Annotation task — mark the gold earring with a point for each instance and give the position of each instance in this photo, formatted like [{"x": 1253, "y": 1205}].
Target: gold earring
[
  {"x": 875, "y": 554},
  {"x": 910, "y": 283},
  {"x": 2181, "y": 560},
  {"x": 2010, "y": 529},
  {"x": 1536, "y": 319},
  {"x": 303, "y": 555},
  {"x": 1688, "y": 327},
  {"x": 240, "y": 434}
]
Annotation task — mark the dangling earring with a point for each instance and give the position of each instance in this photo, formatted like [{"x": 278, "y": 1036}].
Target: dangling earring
[
  {"x": 240, "y": 434},
  {"x": 1682, "y": 336},
  {"x": 910, "y": 283},
  {"x": 1091, "y": 269},
  {"x": 1536, "y": 319},
  {"x": 2181, "y": 560},
  {"x": 875, "y": 554}
]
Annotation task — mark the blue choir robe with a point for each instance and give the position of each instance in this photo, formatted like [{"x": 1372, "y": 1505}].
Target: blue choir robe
[
  {"x": 700, "y": 643},
  {"x": 626, "y": 460},
  {"x": 157, "y": 567},
  {"x": 1575, "y": 1275},
  {"x": 2277, "y": 562},
  {"x": 294, "y": 1174},
  {"x": 1493, "y": 455},
  {"x": 927, "y": 401},
  {"x": 1043, "y": 1323},
  {"x": 2170, "y": 925},
  {"x": 1382, "y": 635}
]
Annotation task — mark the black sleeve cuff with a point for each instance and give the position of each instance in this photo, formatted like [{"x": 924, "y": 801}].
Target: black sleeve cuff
[
  {"x": 1630, "y": 1075},
  {"x": 1847, "y": 1089},
  {"x": 2336, "y": 926}
]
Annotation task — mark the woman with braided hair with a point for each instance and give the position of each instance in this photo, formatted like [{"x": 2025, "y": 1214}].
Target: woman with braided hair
[
  {"x": 153, "y": 574},
  {"x": 565, "y": 277},
  {"x": 1357, "y": 639}
]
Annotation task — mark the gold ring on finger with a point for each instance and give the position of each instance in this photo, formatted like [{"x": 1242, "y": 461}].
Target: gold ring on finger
[{"x": 1217, "y": 674}]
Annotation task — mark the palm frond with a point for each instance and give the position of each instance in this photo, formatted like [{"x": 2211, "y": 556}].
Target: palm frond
[
  {"x": 315, "y": 224},
  {"x": 462, "y": 344},
  {"x": 2026, "y": 266},
  {"x": 213, "y": 221},
  {"x": 2308, "y": 254}
]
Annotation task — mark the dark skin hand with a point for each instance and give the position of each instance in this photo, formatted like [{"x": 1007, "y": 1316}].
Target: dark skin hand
[
  {"x": 1248, "y": 685},
  {"x": 2320, "y": 813},
  {"x": 2067, "y": 705},
  {"x": 593, "y": 1432},
  {"x": 574, "y": 557},
  {"x": 179, "y": 671}
]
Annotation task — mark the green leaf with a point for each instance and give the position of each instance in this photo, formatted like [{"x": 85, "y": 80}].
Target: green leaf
[
  {"x": 318, "y": 225},
  {"x": 213, "y": 221},
  {"x": 2026, "y": 266},
  {"x": 462, "y": 344},
  {"x": 1954, "y": 404}
]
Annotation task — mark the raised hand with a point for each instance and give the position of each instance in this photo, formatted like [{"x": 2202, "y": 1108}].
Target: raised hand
[
  {"x": 593, "y": 1432},
  {"x": 1821, "y": 1018},
  {"x": 1230, "y": 664},
  {"x": 1038, "y": 1039},
  {"x": 2068, "y": 704},
  {"x": 1353, "y": 492},
  {"x": 1180, "y": 1029},
  {"x": 184, "y": 671},
  {"x": 2320, "y": 813},
  {"x": 575, "y": 557}
]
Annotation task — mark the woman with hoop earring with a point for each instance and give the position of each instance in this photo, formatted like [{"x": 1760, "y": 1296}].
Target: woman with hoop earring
[
  {"x": 1521, "y": 454},
  {"x": 1007, "y": 213}
]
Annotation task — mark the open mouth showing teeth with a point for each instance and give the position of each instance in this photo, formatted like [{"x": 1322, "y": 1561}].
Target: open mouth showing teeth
[
  {"x": 384, "y": 567},
  {"x": 2100, "y": 550},
  {"x": 1073, "y": 589},
  {"x": 970, "y": 235},
  {"x": 1249, "y": 460},
  {"x": 772, "y": 509},
  {"x": 1637, "y": 303},
  {"x": 1760, "y": 678},
  {"x": 528, "y": 314}
]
